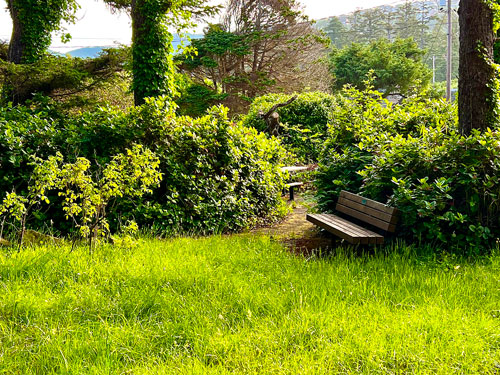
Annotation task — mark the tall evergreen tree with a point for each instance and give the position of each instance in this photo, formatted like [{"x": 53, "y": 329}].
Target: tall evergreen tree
[
  {"x": 388, "y": 20},
  {"x": 367, "y": 25},
  {"x": 406, "y": 23},
  {"x": 426, "y": 14},
  {"x": 337, "y": 32}
]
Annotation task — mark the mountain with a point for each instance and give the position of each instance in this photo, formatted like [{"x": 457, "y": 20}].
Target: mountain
[
  {"x": 92, "y": 52},
  {"x": 86, "y": 52}
]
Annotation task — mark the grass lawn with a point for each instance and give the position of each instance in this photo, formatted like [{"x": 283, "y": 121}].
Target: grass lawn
[{"x": 244, "y": 305}]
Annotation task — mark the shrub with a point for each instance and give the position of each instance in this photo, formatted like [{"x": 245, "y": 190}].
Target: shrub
[
  {"x": 362, "y": 124},
  {"x": 304, "y": 121},
  {"x": 412, "y": 157},
  {"x": 218, "y": 175},
  {"x": 446, "y": 185},
  {"x": 26, "y": 131},
  {"x": 85, "y": 197},
  {"x": 196, "y": 99}
]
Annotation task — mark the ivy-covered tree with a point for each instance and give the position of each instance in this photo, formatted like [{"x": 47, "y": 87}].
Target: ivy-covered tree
[
  {"x": 152, "y": 51},
  {"x": 33, "y": 22},
  {"x": 397, "y": 67}
]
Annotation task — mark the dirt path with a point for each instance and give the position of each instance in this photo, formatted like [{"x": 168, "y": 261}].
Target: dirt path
[{"x": 296, "y": 232}]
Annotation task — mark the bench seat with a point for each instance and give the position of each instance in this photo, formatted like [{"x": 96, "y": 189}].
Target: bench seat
[{"x": 345, "y": 229}]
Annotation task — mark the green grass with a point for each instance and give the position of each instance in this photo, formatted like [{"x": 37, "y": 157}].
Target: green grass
[{"x": 244, "y": 305}]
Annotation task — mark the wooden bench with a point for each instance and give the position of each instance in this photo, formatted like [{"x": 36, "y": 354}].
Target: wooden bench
[
  {"x": 362, "y": 209},
  {"x": 292, "y": 185}
]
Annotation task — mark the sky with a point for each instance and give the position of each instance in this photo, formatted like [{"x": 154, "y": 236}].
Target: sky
[{"x": 97, "y": 26}]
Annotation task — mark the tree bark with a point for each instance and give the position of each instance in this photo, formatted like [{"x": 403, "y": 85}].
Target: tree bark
[
  {"x": 16, "y": 45},
  {"x": 138, "y": 21},
  {"x": 476, "y": 102}
]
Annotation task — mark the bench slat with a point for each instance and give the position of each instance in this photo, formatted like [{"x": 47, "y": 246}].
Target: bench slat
[
  {"x": 294, "y": 184},
  {"x": 345, "y": 229},
  {"x": 349, "y": 231},
  {"x": 366, "y": 218},
  {"x": 339, "y": 232},
  {"x": 368, "y": 202},
  {"x": 368, "y": 210},
  {"x": 383, "y": 216}
]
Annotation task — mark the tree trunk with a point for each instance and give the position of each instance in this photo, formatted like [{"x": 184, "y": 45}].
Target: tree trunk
[
  {"x": 476, "y": 102},
  {"x": 138, "y": 21},
  {"x": 152, "y": 51},
  {"x": 16, "y": 45}
]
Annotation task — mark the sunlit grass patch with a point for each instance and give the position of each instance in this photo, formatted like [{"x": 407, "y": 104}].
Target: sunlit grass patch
[{"x": 244, "y": 305}]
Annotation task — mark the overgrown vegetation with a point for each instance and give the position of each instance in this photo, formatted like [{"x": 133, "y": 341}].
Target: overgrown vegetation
[
  {"x": 218, "y": 176},
  {"x": 74, "y": 166},
  {"x": 303, "y": 122},
  {"x": 61, "y": 77},
  {"x": 412, "y": 157}
]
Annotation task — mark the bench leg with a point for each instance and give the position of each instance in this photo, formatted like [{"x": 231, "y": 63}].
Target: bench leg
[{"x": 291, "y": 193}]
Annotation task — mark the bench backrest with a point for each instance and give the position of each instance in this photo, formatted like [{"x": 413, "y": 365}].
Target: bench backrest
[{"x": 368, "y": 211}]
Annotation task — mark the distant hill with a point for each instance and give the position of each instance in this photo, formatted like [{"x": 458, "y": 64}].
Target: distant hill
[
  {"x": 322, "y": 23},
  {"x": 92, "y": 52},
  {"x": 86, "y": 52}
]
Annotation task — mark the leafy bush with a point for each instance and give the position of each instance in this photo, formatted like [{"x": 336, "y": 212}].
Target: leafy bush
[
  {"x": 446, "y": 185},
  {"x": 361, "y": 123},
  {"x": 195, "y": 99},
  {"x": 25, "y": 131},
  {"x": 304, "y": 121},
  {"x": 218, "y": 175},
  {"x": 412, "y": 157},
  {"x": 85, "y": 197}
]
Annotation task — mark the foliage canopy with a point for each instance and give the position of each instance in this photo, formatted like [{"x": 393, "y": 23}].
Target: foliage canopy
[{"x": 396, "y": 66}]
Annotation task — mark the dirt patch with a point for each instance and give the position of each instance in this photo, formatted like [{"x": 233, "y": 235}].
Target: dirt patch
[{"x": 298, "y": 234}]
